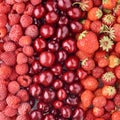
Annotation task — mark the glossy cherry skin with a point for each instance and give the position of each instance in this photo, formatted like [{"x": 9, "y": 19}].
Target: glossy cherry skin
[
  {"x": 57, "y": 69},
  {"x": 46, "y": 31},
  {"x": 68, "y": 76},
  {"x": 57, "y": 104},
  {"x": 36, "y": 67},
  {"x": 51, "y": 17},
  {"x": 39, "y": 44},
  {"x": 76, "y": 26},
  {"x": 72, "y": 63},
  {"x": 69, "y": 45},
  {"x": 49, "y": 117},
  {"x": 61, "y": 55},
  {"x": 39, "y": 11},
  {"x": 62, "y": 32},
  {"x": 61, "y": 94},
  {"x": 81, "y": 73},
  {"x": 48, "y": 95},
  {"x": 75, "y": 88},
  {"x": 66, "y": 112},
  {"x": 51, "y": 6},
  {"x": 72, "y": 101},
  {"x": 63, "y": 20},
  {"x": 64, "y": 4},
  {"x": 47, "y": 59},
  {"x": 35, "y": 90},
  {"x": 78, "y": 114},
  {"x": 53, "y": 45},
  {"x": 57, "y": 84},
  {"x": 36, "y": 115},
  {"x": 45, "y": 78}
]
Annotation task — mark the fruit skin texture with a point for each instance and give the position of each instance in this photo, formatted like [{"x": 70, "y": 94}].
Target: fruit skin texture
[
  {"x": 85, "y": 40},
  {"x": 116, "y": 115},
  {"x": 117, "y": 100}
]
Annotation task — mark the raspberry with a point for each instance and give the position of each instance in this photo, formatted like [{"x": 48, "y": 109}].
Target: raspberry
[
  {"x": 3, "y": 91},
  {"x": 13, "y": 18},
  {"x": 21, "y": 58},
  {"x": 9, "y": 58},
  {"x": 15, "y": 32},
  {"x": 13, "y": 87},
  {"x": 21, "y": 69},
  {"x": 3, "y": 20},
  {"x": 32, "y": 31},
  {"x": 25, "y": 40},
  {"x": 2, "y": 105},
  {"x": 13, "y": 75},
  {"x": 23, "y": 117},
  {"x": 117, "y": 100},
  {"x": 24, "y": 108},
  {"x": 11, "y": 2},
  {"x": 9, "y": 46},
  {"x": 35, "y": 2},
  {"x": 10, "y": 112},
  {"x": 28, "y": 50},
  {"x": 23, "y": 95},
  {"x": 5, "y": 71},
  {"x": 3, "y": 31},
  {"x": 24, "y": 80},
  {"x": 13, "y": 101},
  {"x": 26, "y": 20},
  {"x": 4, "y": 8},
  {"x": 29, "y": 9},
  {"x": 3, "y": 117}
]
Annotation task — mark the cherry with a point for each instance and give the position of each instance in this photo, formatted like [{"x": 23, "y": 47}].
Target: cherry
[
  {"x": 53, "y": 46},
  {"x": 72, "y": 101},
  {"x": 39, "y": 44},
  {"x": 61, "y": 55},
  {"x": 57, "y": 84},
  {"x": 46, "y": 31},
  {"x": 63, "y": 20},
  {"x": 46, "y": 58},
  {"x": 81, "y": 73},
  {"x": 57, "y": 104},
  {"x": 51, "y": 17},
  {"x": 36, "y": 115},
  {"x": 49, "y": 117},
  {"x": 51, "y": 6},
  {"x": 45, "y": 78},
  {"x": 36, "y": 67},
  {"x": 57, "y": 69},
  {"x": 61, "y": 94},
  {"x": 39, "y": 11}
]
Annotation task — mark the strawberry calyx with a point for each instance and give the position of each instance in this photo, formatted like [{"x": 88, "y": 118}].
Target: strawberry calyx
[
  {"x": 99, "y": 13},
  {"x": 108, "y": 18},
  {"x": 108, "y": 76},
  {"x": 82, "y": 35},
  {"x": 106, "y": 43},
  {"x": 105, "y": 1},
  {"x": 83, "y": 63},
  {"x": 110, "y": 90},
  {"x": 83, "y": 5}
]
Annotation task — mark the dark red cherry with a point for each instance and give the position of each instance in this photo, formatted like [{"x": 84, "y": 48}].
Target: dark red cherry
[
  {"x": 57, "y": 84},
  {"x": 62, "y": 32},
  {"x": 39, "y": 11},
  {"x": 61, "y": 55},
  {"x": 57, "y": 69},
  {"x": 75, "y": 26},
  {"x": 69, "y": 45},
  {"x": 72, "y": 101},
  {"x": 49, "y": 117},
  {"x": 64, "y": 4},
  {"x": 61, "y": 94},
  {"x": 45, "y": 78},
  {"x": 39, "y": 44},
  {"x": 47, "y": 59},
  {"x": 66, "y": 112},
  {"x": 74, "y": 13},
  {"x": 46, "y": 31},
  {"x": 35, "y": 79},
  {"x": 36, "y": 67},
  {"x": 51, "y": 6},
  {"x": 72, "y": 63},
  {"x": 36, "y": 115},
  {"x": 81, "y": 73},
  {"x": 68, "y": 76},
  {"x": 57, "y": 104},
  {"x": 51, "y": 17},
  {"x": 53, "y": 46},
  {"x": 63, "y": 20}
]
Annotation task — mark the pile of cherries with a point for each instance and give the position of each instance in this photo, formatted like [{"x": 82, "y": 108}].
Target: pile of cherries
[{"x": 44, "y": 74}]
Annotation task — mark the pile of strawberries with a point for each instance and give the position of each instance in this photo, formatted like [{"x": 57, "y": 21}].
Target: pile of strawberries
[{"x": 59, "y": 59}]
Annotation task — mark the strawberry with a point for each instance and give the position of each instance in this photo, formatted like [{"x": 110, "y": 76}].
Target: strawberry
[
  {"x": 108, "y": 78},
  {"x": 86, "y": 24},
  {"x": 109, "y": 4},
  {"x": 117, "y": 10},
  {"x": 85, "y": 44},
  {"x": 85, "y": 5},
  {"x": 108, "y": 19},
  {"x": 94, "y": 14}
]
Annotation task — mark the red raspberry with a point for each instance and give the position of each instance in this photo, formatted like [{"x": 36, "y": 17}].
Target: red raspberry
[
  {"x": 26, "y": 20},
  {"x": 9, "y": 58},
  {"x": 23, "y": 94},
  {"x": 15, "y": 32},
  {"x": 29, "y": 9},
  {"x": 19, "y": 7},
  {"x": 21, "y": 58},
  {"x": 24, "y": 80},
  {"x": 117, "y": 100},
  {"x": 11, "y": 2},
  {"x": 2, "y": 105},
  {"x": 10, "y": 112},
  {"x": 4, "y": 7},
  {"x": 32, "y": 31},
  {"x": 3, "y": 32},
  {"x": 24, "y": 108},
  {"x": 28, "y": 50},
  {"x": 5, "y": 71},
  {"x": 3, "y": 20},
  {"x": 3, "y": 91},
  {"x": 23, "y": 117},
  {"x": 21, "y": 69},
  {"x": 13, "y": 75},
  {"x": 13, "y": 101},
  {"x": 25, "y": 40},
  {"x": 13, "y": 18},
  {"x": 35, "y": 2},
  {"x": 3, "y": 117},
  {"x": 13, "y": 87}
]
